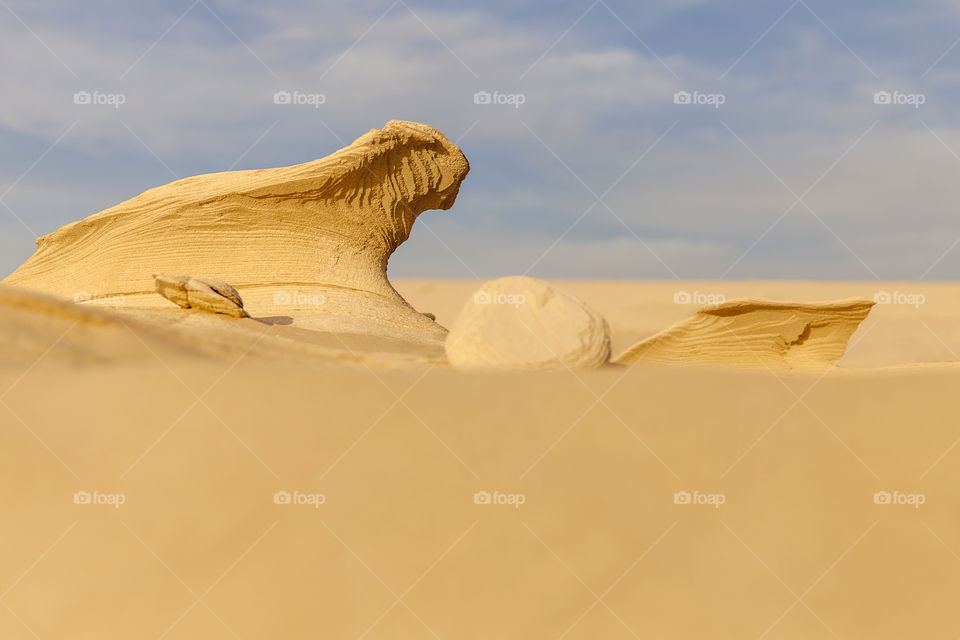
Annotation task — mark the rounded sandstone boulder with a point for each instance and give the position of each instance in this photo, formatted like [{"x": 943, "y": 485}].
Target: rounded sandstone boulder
[{"x": 519, "y": 324}]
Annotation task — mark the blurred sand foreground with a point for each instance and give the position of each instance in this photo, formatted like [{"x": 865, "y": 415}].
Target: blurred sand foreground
[{"x": 255, "y": 495}]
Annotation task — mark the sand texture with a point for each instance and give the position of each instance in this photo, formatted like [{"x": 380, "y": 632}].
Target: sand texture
[
  {"x": 311, "y": 239},
  {"x": 38, "y": 327},
  {"x": 203, "y": 451},
  {"x": 757, "y": 333}
]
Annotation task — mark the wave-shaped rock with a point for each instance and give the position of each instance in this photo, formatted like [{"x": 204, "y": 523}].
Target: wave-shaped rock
[
  {"x": 758, "y": 333},
  {"x": 309, "y": 241}
]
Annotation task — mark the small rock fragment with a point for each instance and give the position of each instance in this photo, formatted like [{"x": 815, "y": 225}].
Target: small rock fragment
[
  {"x": 173, "y": 288},
  {"x": 204, "y": 294}
]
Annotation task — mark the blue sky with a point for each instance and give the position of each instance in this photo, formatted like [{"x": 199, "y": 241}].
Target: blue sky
[{"x": 799, "y": 173}]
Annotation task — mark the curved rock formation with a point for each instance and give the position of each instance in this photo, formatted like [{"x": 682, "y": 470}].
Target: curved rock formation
[
  {"x": 520, "y": 324},
  {"x": 757, "y": 333},
  {"x": 310, "y": 241}
]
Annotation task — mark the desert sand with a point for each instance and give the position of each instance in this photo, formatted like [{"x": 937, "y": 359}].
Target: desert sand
[
  {"x": 198, "y": 443},
  {"x": 321, "y": 470}
]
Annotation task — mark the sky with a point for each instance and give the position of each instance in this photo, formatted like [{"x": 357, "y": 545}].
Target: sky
[{"x": 688, "y": 139}]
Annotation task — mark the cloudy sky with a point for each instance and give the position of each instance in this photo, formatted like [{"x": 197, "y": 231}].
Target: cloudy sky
[{"x": 621, "y": 139}]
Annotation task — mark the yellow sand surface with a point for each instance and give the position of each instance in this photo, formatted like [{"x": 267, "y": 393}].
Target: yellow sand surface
[{"x": 167, "y": 474}]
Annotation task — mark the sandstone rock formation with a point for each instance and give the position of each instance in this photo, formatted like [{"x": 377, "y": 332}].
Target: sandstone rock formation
[
  {"x": 519, "y": 323},
  {"x": 757, "y": 333},
  {"x": 205, "y": 294},
  {"x": 310, "y": 241}
]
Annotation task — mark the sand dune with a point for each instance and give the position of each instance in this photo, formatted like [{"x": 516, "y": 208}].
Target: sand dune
[
  {"x": 35, "y": 326},
  {"x": 310, "y": 240},
  {"x": 38, "y": 327},
  {"x": 891, "y": 335},
  {"x": 400, "y": 519},
  {"x": 196, "y": 421},
  {"x": 757, "y": 333}
]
